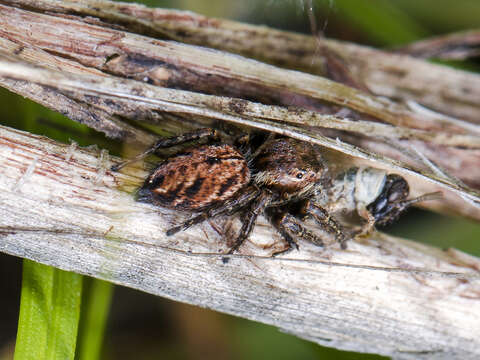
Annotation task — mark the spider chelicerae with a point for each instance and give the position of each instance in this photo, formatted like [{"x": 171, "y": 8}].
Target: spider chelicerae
[{"x": 278, "y": 178}]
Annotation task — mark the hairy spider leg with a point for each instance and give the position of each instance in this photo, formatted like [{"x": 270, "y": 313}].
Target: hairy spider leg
[
  {"x": 265, "y": 143},
  {"x": 291, "y": 243},
  {"x": 228, "y": 207},
  {"x": 199, "y": 134},
  {"x": 290, "y": 228},
  {"x": 254, "y": 210},
  {"x": 323, "y": 218}
]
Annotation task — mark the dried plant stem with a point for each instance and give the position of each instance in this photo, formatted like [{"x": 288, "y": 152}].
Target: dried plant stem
[
  {"x": 62, "y": 206},
  {"x": 96, "y": 62},
  {"x": 455, "y": 92},
  {"x": 86, "y": 46},
  {"x": 177, "y": 101},
  {"x": 194, "y": 68}
]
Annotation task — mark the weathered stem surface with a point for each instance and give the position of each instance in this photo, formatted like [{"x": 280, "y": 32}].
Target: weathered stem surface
[
  {"x": 60, "y": 205},
  {"x": 78, "y": 45},
  {"x": 455, "y": 92}
]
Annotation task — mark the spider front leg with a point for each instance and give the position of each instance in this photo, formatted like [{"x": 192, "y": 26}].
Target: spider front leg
[
  {"x": 199, "y": 134},
  {"x": 290, "y": 228},
  {"x": 325, "y": 220}
]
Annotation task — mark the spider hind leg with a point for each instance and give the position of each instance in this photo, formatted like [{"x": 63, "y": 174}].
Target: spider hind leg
[
  {"x": 251, "y": 215},
  {"x": 229, "y": 207},
  {"x": 164, "y": 143}
]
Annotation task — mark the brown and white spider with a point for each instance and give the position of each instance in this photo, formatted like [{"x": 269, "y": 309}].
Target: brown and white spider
[{"x": 278, "y": 179}]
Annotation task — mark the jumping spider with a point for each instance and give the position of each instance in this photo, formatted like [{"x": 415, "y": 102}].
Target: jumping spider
[{"x": 278, "y": 179}]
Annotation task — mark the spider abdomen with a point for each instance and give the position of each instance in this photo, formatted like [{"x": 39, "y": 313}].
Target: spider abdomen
[{"x": 197, "y": 179}]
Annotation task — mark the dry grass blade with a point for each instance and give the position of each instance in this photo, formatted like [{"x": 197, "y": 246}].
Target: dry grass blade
[
  {"x": 148, "y": 97},
  {"x": 198, "y": 69},
  {"x": 397, "y": 76},
  {"x": 62, "y": 206},
  {"x": 458, "y": 46},
  {"x": 46, "y": 39},
  {"x": 97, "y": 62}
]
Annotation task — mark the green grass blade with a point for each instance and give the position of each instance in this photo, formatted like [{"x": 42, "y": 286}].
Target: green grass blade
[
  {"x": 97, "y": 300},
  {"x": 381, "y": 20},
  {"x": 49, "y": 313}
]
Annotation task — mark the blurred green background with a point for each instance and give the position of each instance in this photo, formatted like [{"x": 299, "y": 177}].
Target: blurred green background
[{"x": 142, "y": 326}]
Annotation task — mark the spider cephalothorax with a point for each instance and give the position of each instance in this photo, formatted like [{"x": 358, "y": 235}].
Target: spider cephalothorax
[
  {"x": 278, "y": 180},
  {"x": 288, "y": 167}
]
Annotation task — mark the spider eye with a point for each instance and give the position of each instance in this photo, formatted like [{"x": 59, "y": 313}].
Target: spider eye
[{"x": 299, "y": 175}]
